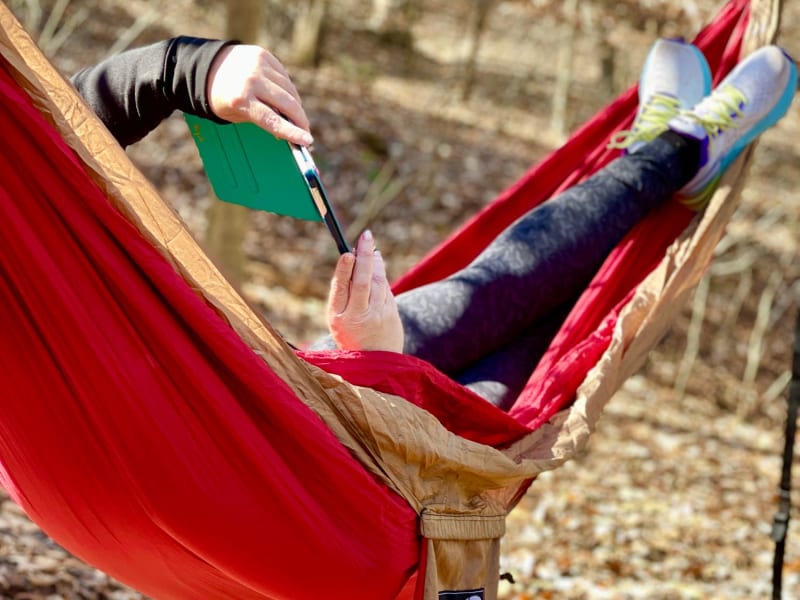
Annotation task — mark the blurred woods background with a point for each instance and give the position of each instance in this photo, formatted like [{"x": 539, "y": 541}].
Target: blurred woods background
[{"x": 422, "y": 113}]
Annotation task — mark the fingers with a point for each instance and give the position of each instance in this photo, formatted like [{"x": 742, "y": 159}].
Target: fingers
[
  {"x": 281, "y": 75},
  {"x": 275, "y": 106},
  {"x": 265, "y": 116},
  {"x": 275, "y": 88},
  {"x": 380, "y": 283},
  {"x": 361, "y": 282},
  {"x": 277, "y": 73},
  {"x": 283, "y": 101},
  {"x": 362, "y": 312},
  {"x": 247, "y": 83},
  {"x": 340, "y": 285}
]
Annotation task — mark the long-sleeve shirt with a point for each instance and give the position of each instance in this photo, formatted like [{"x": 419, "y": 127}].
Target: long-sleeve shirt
[{"x": 132, "y": 92}]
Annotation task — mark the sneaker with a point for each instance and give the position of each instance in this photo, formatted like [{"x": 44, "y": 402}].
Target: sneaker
[
  {"x": 752, "y": 98},
  {"x": 675, "y": 77}
]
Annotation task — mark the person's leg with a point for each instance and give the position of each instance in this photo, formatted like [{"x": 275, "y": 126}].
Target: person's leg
[
  {"x": 500, "y": 376},
  {"x": 549, "y": 254},
  {"x": 542, "y": 259}
]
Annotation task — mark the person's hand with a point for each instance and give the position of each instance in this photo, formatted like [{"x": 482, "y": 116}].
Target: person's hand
[
  {"x": 247, "y": 83},
  {"x": 362, "y": 312}
]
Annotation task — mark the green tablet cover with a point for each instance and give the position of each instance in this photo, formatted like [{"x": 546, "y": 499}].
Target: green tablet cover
[{"x": 249, "y": 166}]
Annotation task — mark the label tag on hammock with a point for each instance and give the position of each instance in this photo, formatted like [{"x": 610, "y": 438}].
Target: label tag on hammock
[{"x": 464, "y": 595}]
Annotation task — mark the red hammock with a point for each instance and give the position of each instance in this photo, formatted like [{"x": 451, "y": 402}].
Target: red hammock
[{"x": 142, "y": 434}]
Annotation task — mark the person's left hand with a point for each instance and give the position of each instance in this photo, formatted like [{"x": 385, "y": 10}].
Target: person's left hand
[
  {"x": 247, "y": 83},
  {"x": 362, "y": 312}
]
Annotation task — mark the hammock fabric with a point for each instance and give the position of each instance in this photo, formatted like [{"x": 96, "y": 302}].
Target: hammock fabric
[
  {"x": 211, "y": 422},
  {"x": 155, "y": 427}
]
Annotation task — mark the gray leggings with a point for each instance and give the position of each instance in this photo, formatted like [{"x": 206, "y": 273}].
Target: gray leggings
[{"x": 488, "y": 324}]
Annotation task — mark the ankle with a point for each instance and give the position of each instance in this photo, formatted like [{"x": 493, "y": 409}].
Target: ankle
[{"x": 689, "y": 149}]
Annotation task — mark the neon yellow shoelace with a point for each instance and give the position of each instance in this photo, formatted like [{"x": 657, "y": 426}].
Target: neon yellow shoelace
[
  {"x": 650, "y": 123},
  {"x": 723, "y": 106}
]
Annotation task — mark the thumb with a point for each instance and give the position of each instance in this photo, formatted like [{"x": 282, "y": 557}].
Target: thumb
[{"x": 340, "y": 284}]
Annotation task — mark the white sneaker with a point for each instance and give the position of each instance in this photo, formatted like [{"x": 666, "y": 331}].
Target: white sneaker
[
  {"x": 752, "y": 98},
  {"x": 675, "y": 77}
]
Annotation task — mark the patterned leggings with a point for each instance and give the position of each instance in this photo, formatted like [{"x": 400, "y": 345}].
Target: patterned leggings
[{"x": 488, "y": 324}]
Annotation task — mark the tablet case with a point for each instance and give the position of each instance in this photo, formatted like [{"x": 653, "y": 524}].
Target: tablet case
[{"x": 247, "y": 165}]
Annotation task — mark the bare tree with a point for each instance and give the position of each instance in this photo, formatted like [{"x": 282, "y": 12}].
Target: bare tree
[
  {"x": 228, "y": 223},
  {"x": 392, "y": 15},
  {"x": 566, "y": 50},
  {"x": 307, "y": 32},
  {"x": 479, "y": 19}
]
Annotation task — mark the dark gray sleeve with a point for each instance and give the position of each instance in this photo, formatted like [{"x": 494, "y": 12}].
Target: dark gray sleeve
[{"x": 132, "y": 92}]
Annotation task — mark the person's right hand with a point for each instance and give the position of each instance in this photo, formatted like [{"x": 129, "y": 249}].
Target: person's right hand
[
  {"x": 362, "y": 312},
  {"x": 247, "y": 83}
]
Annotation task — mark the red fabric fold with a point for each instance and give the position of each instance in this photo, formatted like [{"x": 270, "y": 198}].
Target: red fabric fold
[{"x": 141, "y": 433}]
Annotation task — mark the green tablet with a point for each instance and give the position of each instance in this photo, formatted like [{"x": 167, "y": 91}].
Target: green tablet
[{"x": 247, "y": 165}]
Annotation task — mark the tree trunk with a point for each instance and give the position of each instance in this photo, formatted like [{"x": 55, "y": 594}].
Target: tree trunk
[
  {"x": 608, "y": 67},
  {"x": 478, "y": 22},
  {"x": 228, "y": 223},
  {"x": 558, "y": 119},
  {"x": 307, "y": 33},
  {"x": 245, "y": 20},
  {"x": 392, "y": 15}
]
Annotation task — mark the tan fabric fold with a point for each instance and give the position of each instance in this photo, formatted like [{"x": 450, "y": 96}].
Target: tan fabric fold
[{"x": 437, "y": 526}]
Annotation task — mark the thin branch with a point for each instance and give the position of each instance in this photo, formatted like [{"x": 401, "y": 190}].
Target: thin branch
[
  {"x": 131, "y": 33},
  {"x": 693, "y": 335},
  {"x": 738, "y": 264},
  {"x": 382, "y": 190},
  {"x": 760, "y": 326},
  {"x": 70, "y": 25},
  {"x": 51, "y": 25},
  {"x": 32, "y": 13},
  {"x": 774, "y": 391},
  {"x": 739, "y": 297}
]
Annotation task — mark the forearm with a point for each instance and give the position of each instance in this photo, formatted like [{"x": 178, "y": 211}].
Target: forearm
[{"x": 134, "y": 91}]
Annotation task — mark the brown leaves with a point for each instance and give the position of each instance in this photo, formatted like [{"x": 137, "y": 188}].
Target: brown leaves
[
  {"x": 33, "y": 567},
  {"x": 670, "y": 501}
]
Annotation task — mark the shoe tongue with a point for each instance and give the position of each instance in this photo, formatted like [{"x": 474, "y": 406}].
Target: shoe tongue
[{"x": 688, "y": 126}]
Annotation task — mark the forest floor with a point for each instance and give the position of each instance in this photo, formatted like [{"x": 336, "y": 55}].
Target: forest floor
[{"x": 674, "y": 497}]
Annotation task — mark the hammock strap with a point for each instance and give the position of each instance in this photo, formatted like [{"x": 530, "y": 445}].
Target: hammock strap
[{"x": 780, "y": 524}]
